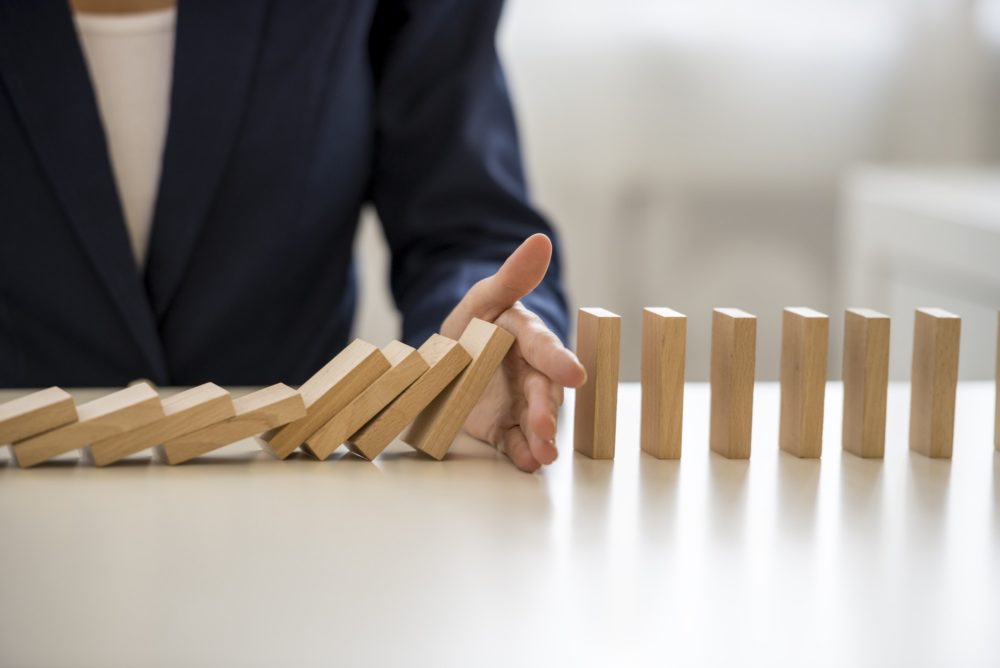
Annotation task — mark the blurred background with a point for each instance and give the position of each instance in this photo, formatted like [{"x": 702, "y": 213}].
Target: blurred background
[{"x": 759, "y": 154}]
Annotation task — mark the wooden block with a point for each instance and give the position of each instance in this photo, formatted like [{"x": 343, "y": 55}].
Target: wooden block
[
  {"x": 934, "y": 381},
  {"x": 446, "y": 359},
  {"x": 35, "y": 413},
  {"x": 664, "y": 336},
  {"x": 804, "y": 339},
  {"x": 328, "y": 392},
  {"x": 102, "y": 418},
  {"x": 183, "y": 413},
  {"x": 437, "y": 425},
  {"x": 734, "y": 360},
  {"x": 406, "y": 365},
  {"x": 598, "y": 346},
  {"x": 255, "y": 414},
  {"x": 866, "y": 381}
]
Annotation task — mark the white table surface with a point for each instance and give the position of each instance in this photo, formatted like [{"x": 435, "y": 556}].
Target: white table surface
[{"x": 238, "y": 559}]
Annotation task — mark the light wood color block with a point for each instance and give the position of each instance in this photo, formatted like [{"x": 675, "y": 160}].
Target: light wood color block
[
  {"x": 598, "y": 346},
  {"x": 35, "y": 413},
  {"x": 805, "y": 337},
  {"x": 255, "y": 414},
  {"x": 664, "y": 338},
  {"x": 436, "y": 427},
  {"x": 183, "y": 413},
  {"x": 406, "y": 365},
  {"x": 328, "y": 392},
  {"x": 866, "y": 381},
  {"x": 934, "y": 381},
  {"x": 446, "y": 359},
  {"x": 733, "y": 365},
  {"x": 99, "y": 419}
]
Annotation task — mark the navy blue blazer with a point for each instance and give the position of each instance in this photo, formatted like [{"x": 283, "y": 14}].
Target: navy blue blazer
[{"x": 285, "y": 118}]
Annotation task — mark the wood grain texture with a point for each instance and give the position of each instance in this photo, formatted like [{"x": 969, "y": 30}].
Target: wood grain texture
[
  {"x": 934, "y": 381},
  {"x": 183, "y": 413},
  {"x": 406, "y": 365},
  {"x": 102, "y": 418},
  {"x": 446, "y": 359},
  {"x": 254, "y": 414},
  {"x": 805, "y": 335},
  {"x": 664, "y": 339},
  {"x": 598, "y": 347},
  {"x": 866, "y": 381},
  {"x": 436, "y": 427},
  {"x": 328, "y": 392},
  {"x": 35, "y": 413},
  {"x": 733, "y": 365}
]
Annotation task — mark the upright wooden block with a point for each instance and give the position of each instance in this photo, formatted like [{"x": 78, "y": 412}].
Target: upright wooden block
[
  {"x": 598, "y": 346},
  {"x": 406, "y": 365},
  {"x": 437, "y": 425},
  {"x": 734, "y": 360},
  {"x": 866, "y": 381},
  {"x": 102, "y": 418},
  {"x": 255, "y": 413},
  {"x": 328, "y": 392},
  {"x": 35, "y": 413},
  {"x": 664, "y": 337},
  {"x": 804, "y": 340},
  {"x": 183, "y": 413},
  {"x": 934, "y": 381},
  {"x": 445, "y": 359}
]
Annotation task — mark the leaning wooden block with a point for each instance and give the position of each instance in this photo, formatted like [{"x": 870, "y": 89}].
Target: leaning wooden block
[
  {"x": 445, "y": 359},
  {"x": 438, "y": 424},
  {"x": 598, "y": 346},
  {"x": 102, "y": 418},
  {"x": 35, "y": 413},
  {"x": 805, "y": 335},
  {"x": 866, "y": 381},
  {"x": 934, "y": 381},
  {"x": 734, "y": 360},
  {"x": 328, "y": 392},
  {"x": 664, "y": 336},
  {"x": 183, "y": 413},
  {"x": 255, "y": 413},
  {"x": 406, "y": 366}
]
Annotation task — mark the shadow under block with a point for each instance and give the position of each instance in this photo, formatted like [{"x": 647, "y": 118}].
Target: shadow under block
[
  {"x": 183, "y": 413},
  {"x": 866, "y": 381},
  {"x": 35, "y": 414},
  {"x": 254, "y": 414},
  {"x": 664, "y": 337},
  {"x": 436, "y": 427},
  {"x": 99, "y": 419},
  {"x": 734, "y": 360},
  {"x": 598, "y": 346},
  {"x": 406, "y": 365},
  {"x": 805, "y": 336},
  {"x": 328, "y": 392},
  {"x": 446, "y": 359},
  {"x": 934, "y": 381}
]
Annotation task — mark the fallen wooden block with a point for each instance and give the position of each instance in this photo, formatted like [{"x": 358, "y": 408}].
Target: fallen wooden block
[
  {"x": 734, "y": 360},
  {"x": 446, "y": 359},
  {"x": 328, "y": 392},
  {"x": 254, "y": 414},
  {"x": 102, "y": 418},
  {"x": 804, "y": 341},
  {"x": 664, "y": 335},
  {"x": 866, "y": 381},
  {"x": 934, "y": 381},
  {"x": 436, "y": 427},
  {"x": 598, "y": 346},
  {"x": 183, "y": 413},
  {"x": 35, "y": 413}
]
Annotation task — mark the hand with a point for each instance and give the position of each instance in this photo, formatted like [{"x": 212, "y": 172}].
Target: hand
[{"x": 518, "y": 411}]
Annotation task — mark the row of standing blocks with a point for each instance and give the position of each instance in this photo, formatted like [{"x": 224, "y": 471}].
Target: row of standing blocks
[{"x": 933, "y": 382}]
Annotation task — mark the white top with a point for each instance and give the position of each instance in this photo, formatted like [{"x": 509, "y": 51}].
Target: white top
[{"x": 130, "y": 59}]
